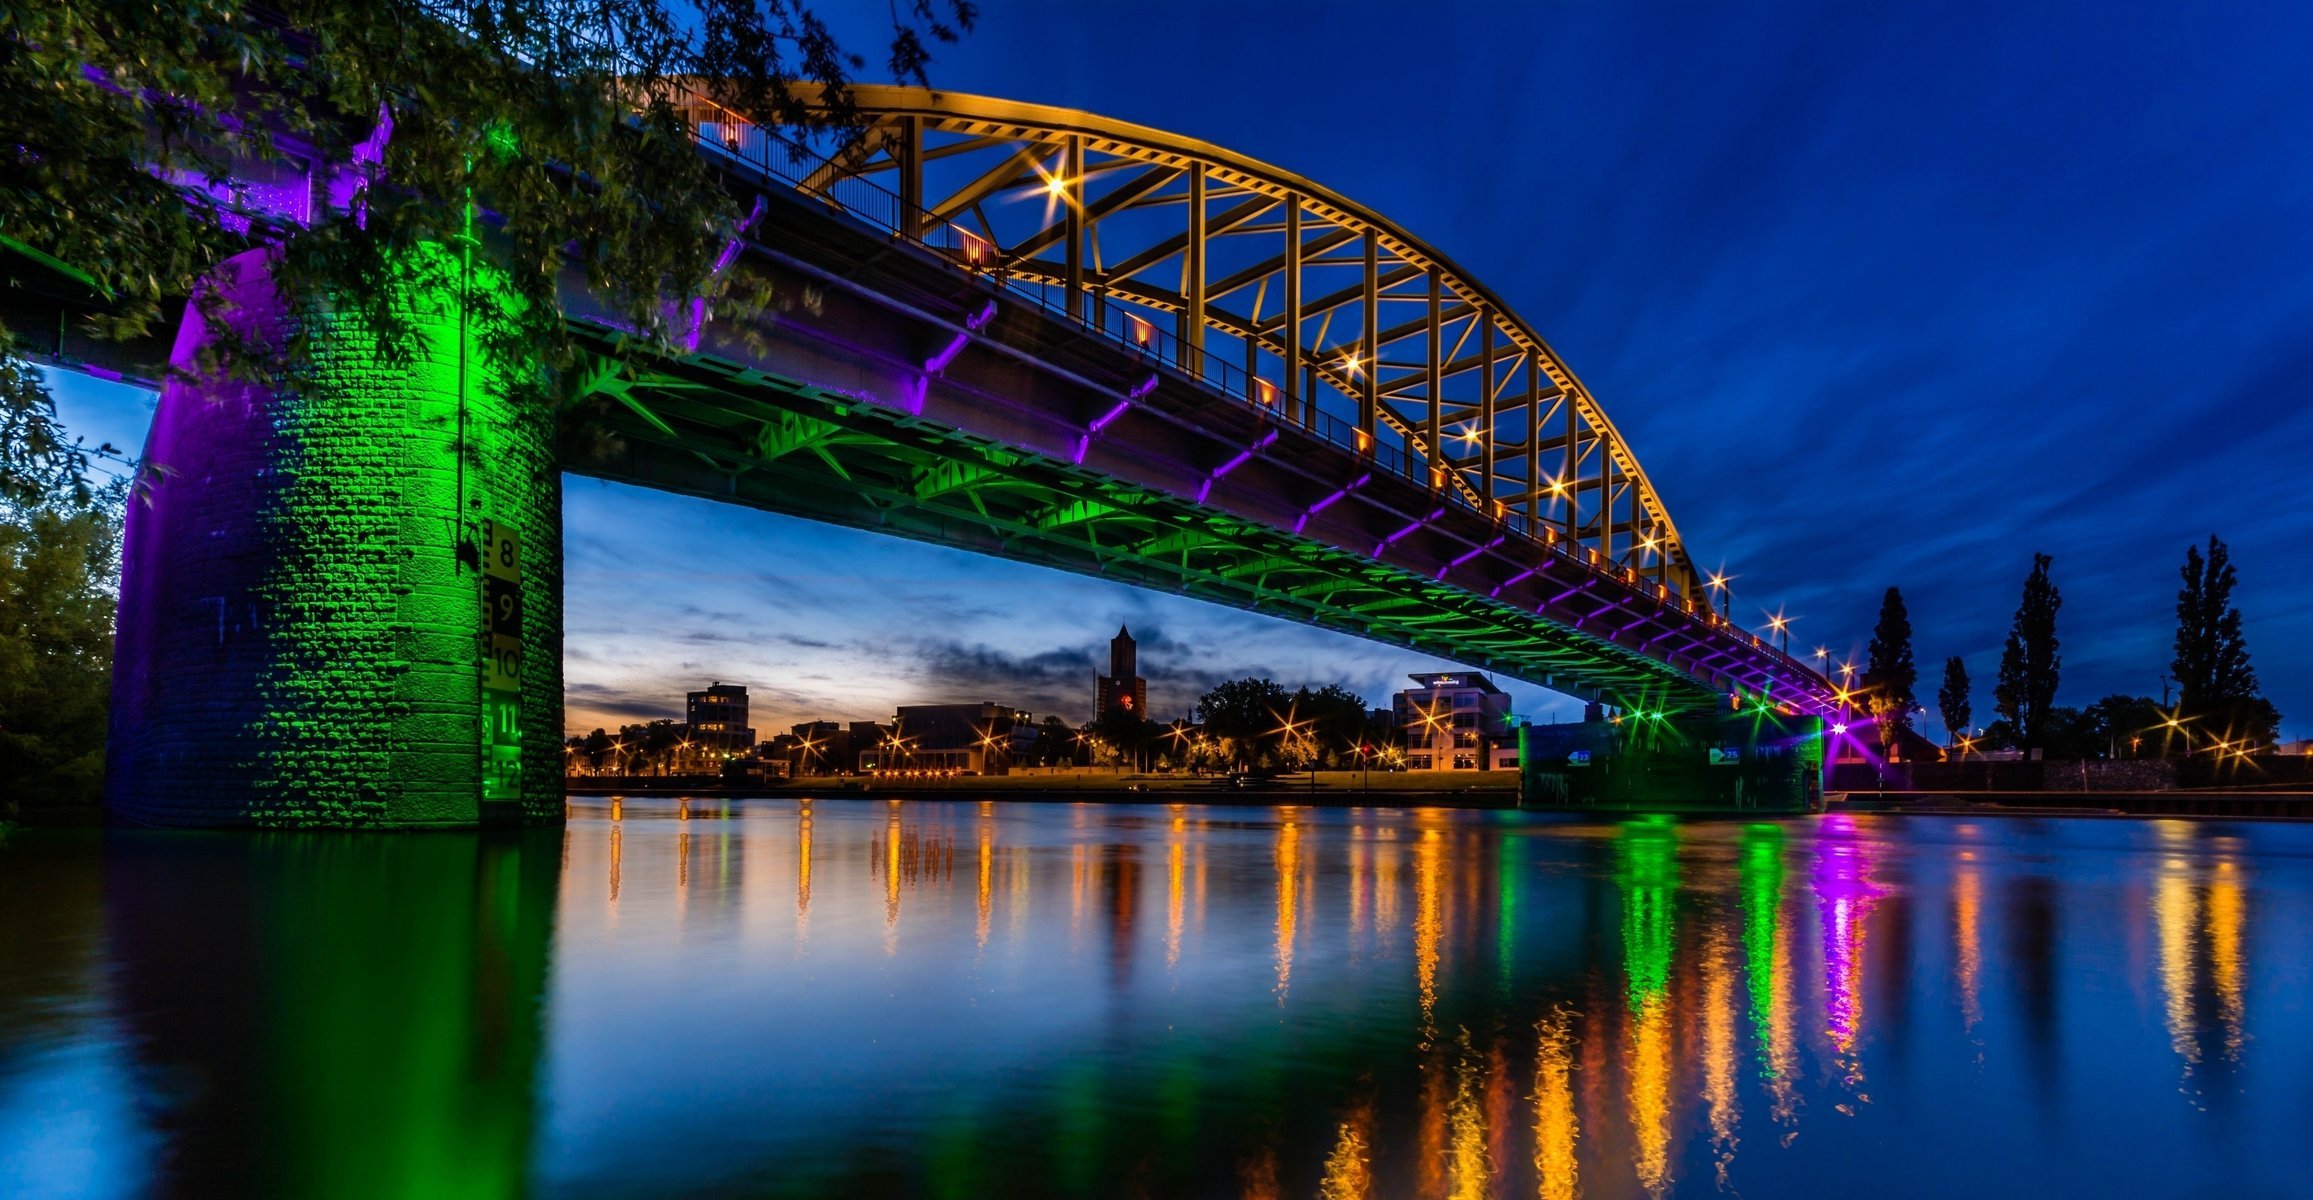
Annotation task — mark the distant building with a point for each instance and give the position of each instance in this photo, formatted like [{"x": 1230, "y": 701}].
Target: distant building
[
  {"x": 820, "y": 748},
  {"x": 865, "y": 742},
  {"x": 1455, "y": 721},
  {"x": 717, "y": 719},
  {"x": 957, "y": 739},
  {"x": 1122, "y": 689}
]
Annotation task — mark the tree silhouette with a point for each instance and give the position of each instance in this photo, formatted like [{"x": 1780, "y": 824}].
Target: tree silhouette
[
  {"x": 2217, "y": 686},
  {"x": 1952, "y": 699},
  {"x": 1889, "y": 675},
  {"x": 2030, "y": 663}
]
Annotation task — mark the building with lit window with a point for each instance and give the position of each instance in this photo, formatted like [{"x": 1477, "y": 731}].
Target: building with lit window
[
  {"x": 1455, "y": 721},
  {"x": 952, "y": 739},
  {"x": 1122, "y": 689},
  {"x": 717, "y": 721}
]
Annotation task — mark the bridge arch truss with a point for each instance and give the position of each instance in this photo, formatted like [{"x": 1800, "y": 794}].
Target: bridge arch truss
[{"x": 1266, "y": 285}]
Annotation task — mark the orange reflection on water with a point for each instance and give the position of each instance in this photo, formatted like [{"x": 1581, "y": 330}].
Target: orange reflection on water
[
  {"x": 1176, "y": 864},
  {"x": 1472, "y": 1172},
  {"x": 891, "y": 877},
  {"x": 1349, "y": 1168},
  {"x": 1385, "y": 892},
  {"x": 986, "y": 873},
  {"x": 803, "y": 871},
  {"x": 1649, "y": 1099},
  {"x": 1429, "y": 875},
  {"x": 2227, "y": 915},
  {"x": 2173, "y": 922},
  {"x": 1555, "y": 1125},
  {"x": 617, "y": 834},
  {"x": 1719, "y": 1051},
  {"x": 1288, "y": 865},
  {"x": 1968, "y": 939}
]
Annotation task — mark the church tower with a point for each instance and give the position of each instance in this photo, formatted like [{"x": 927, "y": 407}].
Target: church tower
[{"x": 1122, "y": 689}]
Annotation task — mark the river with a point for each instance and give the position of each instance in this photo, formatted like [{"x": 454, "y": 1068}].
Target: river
[{"x": 952, "y": 998}]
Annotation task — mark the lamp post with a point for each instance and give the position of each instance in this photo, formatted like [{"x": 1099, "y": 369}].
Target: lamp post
[{"x": 1726, "y": 595}]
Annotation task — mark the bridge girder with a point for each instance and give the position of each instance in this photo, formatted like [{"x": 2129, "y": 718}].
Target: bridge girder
[{"x": 1250, "y": 303}]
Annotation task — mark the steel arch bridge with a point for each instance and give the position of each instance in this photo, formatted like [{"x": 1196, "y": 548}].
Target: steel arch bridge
[
  {"x": 1282, "y": 401},
  {"x": 1018, "y": 330}
]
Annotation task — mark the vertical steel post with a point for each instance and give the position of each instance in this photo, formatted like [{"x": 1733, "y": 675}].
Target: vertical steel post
[
  {"x": 1072, "y": 198},
  {"x": 1487, "y": 440},
  {"x": 1192, "y": 325},
  {"x": 910, "y": 155},
  {"x": 1533, "y": 444},
  {"x": 1434, "y": 380},
  {"x": 1368, "y": 395},
  {"x": 1298, "y": 397},
  {"x": 1570, "y": 485},
  {"x": 1605, "y": 497}
]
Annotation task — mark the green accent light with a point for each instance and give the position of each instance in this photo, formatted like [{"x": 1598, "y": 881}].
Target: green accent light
[
  {"x": 1648, "y": 875},
  {"x": 1761, "y": 882}
]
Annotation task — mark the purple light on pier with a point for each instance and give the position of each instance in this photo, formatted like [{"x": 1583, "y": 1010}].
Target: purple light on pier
[
  {"x": 1467, "y": 557},
  {"x": 1393, "y": 539},
  {"x": 1328, "y": 502},
  {"x": 1247, "y": 456}
]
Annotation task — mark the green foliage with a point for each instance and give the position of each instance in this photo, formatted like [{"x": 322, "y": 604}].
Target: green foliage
[
  {"x": 1243, "y": 710},
  {"x": 1889, "y": 675},
  {"x": 2122, "y": 726},
  {"x": 1337, "y": 715},
  {"x": 59, "y": 552},
  {"x": 1953, "y": 702},
  {"x": 2030, "y": 663},
  {"x": 2217, "y": 686},
  {"x": 578, "y": 153},
  {"x": 1055, "y": 744}
]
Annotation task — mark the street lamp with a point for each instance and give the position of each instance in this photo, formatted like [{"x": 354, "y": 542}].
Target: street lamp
[
  {"x": 1719, "y": 584},
  {"x": 1781, "y": 626}
]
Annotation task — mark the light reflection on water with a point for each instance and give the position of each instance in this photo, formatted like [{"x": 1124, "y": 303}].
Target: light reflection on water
[{"x": 992, "y": 999}]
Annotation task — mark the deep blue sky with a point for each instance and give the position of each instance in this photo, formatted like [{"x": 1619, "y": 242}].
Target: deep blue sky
[{"x": 1881, "y": 296}]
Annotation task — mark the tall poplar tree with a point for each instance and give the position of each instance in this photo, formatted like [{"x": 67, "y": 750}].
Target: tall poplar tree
[
  {"x": 1889, "y": 675},
  {"x": 2030, "y": 663},
  {"x": 2217, "y": 686},
  {"x": 1952, "y": 699},
  {"x": 2212, "y": 658}
]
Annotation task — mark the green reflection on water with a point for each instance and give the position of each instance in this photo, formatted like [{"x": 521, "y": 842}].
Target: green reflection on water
[
  {"x": 1646, "y": 869},
  {"x": 381, "y": 996}
]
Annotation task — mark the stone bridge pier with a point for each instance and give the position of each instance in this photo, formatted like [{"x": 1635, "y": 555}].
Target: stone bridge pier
[{"x": 341, "y": 593}]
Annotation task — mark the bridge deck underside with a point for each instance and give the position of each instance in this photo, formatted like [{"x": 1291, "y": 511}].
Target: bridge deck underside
[
  {"x": 943, "y": 486},
  {"x": 888, "y": 392}
]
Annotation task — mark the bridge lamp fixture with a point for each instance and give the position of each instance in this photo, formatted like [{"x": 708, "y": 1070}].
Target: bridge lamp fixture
[
  {"x": 1839, "y": 728},
  {"x": 1349, "y": 364}
]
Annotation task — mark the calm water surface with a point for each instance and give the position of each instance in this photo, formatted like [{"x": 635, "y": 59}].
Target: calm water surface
[{"x": 864, "y": 998}]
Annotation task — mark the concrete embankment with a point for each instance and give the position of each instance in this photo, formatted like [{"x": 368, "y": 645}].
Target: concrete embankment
[{"x": 2275, "y": 805}]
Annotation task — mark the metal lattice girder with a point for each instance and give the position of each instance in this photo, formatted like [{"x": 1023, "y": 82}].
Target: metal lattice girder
[
  {"x": 1039, "y": 513},
  {"x": 1279, "y": 268},
  {"x": 1037, "y": 432}
]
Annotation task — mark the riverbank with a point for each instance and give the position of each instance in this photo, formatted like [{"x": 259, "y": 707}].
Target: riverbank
[
  {"x": 2230, "y": 803},
  {"x": 1333, "y": 789}
]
